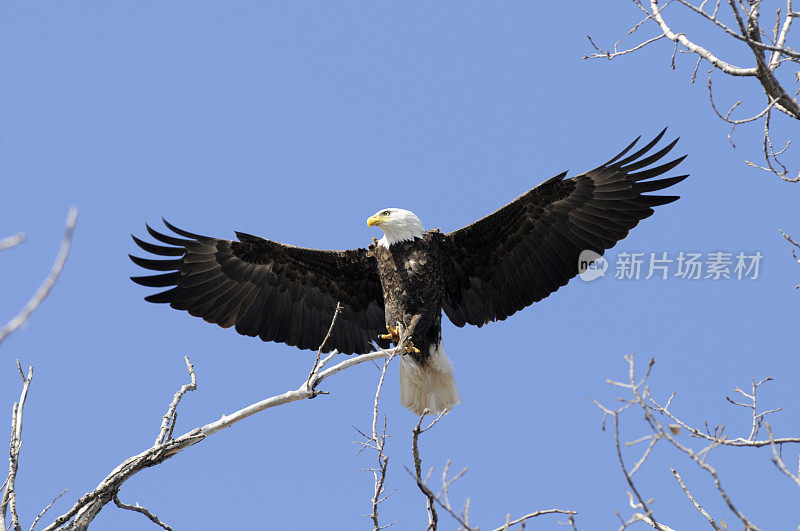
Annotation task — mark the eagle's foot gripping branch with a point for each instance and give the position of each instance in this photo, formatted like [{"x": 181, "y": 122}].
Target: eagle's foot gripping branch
[
  {"x": 393, "y": 335},
  {"x": 410, "y": 348}
]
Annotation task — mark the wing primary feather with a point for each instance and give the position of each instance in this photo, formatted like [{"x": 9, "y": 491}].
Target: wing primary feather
[
  {"x": 654, "y": 172},
  {"x": 621, "y": 153},
  {"x": 657, "y": 200},
  {"x": 156, "y": 265},
  {"x": 642, "y": 151},
  {"x": 158, "y": 281},
  {"x": 658, "y": 184},
  {"x": 164, "y": 238},
  {"x": 162, "y": 297},
  {"x": 652, "y": 158},
  {"x": 161, "y": 250},
  {"x": 182, "y": 232}
]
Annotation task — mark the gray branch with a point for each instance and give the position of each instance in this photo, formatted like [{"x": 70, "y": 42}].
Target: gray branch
[
  {"x": 767, "y": 60},
  {"x": 642, "y": 398},
  {"x": 171, "y": 416},
  {"x": 11, "y": 241},
  {"x": 442, "y": 499},
  {"x": 794, "y": 252},
  {"x": 9, "y": 499},
  {"x": 142, "y": 510},
  {"x": 376, "y": 440},
  {"x": 89, "y": 505},
  {"x": 49, "y": 282}
]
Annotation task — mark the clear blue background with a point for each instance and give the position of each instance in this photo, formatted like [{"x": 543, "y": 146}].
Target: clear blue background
[{"x": 297, "y": 120}]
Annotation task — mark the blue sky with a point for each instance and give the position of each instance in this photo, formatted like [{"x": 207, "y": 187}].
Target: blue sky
[{"x": 297, "y": 121}]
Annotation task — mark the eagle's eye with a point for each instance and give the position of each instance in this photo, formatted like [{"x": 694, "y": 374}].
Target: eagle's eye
[{"x": 385, "y": 213}]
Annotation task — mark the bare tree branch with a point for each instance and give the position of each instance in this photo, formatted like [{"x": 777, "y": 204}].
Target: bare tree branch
[
  {"x": 773, "y": 163},
  {"x": 642, "y": 398},
  {"x": 9, "y": 499},
  {"x": 446, "y": 483},
  {"x": 315, "y": 367},
  {"x": 616, "y": 53},
  {"x": 794, "y": 253},
  {"x": 11, "y": 241},
  {"x": 694, "y": 502},
  {"x": 171, "y": 416},
  {"x": 522, "y": 519},
  {"x": 89, "y": 505},
  {"x": 777, "y": 458},
  {"x": 641, "y": 503},
  {"x": 139, "y": 509},
  {"x": 377, "y": 441},
  {"x": 47, "y": 285},
  {"x": 745, "y": 28},
  {"x": 44, "y": 511},
  {"x": 83, "y": 512},
  {"x": 430, "y": 497}
]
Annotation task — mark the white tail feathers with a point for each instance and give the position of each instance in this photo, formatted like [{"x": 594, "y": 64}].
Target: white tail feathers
[{"x": 430, "y": 385}]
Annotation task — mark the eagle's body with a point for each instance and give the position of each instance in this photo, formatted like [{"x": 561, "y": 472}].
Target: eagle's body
[
  {"x": 481, "y": 273},
  {"x": 413, "y": 279}
]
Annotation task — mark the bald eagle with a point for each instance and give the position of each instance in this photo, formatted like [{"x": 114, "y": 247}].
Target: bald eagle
[{"x": 483, "y": 272}]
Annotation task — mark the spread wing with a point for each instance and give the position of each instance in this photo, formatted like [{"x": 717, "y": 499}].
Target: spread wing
[
  {"x": 530, "y": 247},
  {"x": 267, "y": 289}
]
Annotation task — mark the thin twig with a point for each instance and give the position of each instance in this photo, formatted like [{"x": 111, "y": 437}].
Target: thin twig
[
  {"x": 171, "y": 416},
  {"x": 47, "y": 285},
  {"x": 139, "y": 509},
  {"x": 317, "y": 366},
  {"x": 12, "y": 241},
  {"x": 777, "y": 459},
  {"x": 694, "y": 502},
  {"x": 41, "y": 514},
  {"x": 794, "y": 253},
  {"x": 534, "y": 515},
  {"x": 430, "y": 498},
  {"x": 377, "y": 440}
]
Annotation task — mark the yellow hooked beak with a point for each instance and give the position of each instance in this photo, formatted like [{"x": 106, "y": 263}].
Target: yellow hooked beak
[{"x": 374, "y": 221}]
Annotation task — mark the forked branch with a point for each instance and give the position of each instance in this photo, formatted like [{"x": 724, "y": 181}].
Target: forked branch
[
  {"x": 743, "y": 24},
  {"x": 641, "y": 398},
  {"x": 83, "y": 512},
  {"x": 442, "y": 499}
]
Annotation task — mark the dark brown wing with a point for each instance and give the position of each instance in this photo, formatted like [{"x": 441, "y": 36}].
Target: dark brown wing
[
  {"x": 266, "y": 289},
  {"x": 530, "y": 247}
]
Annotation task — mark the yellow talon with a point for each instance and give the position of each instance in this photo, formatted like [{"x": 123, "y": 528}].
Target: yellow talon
[
  {"x": 394, "y": 334},
  {"x": 411, "y": 349}
]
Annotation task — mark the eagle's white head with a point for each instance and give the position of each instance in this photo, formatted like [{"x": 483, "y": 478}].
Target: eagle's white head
[{"x": 398, "y": 225}]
